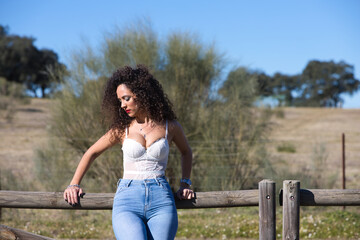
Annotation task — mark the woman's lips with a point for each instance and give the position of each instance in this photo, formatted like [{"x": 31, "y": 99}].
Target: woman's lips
[{"x": 127, "y": 111}]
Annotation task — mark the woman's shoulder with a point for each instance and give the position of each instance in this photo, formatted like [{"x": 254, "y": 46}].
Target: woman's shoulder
[
  {"x": 115, "y": 135},
  {"x": 173, "y": 123},
  {"x": 174, "y": 126}
]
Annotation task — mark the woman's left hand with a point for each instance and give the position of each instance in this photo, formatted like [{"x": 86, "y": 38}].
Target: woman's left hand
[{"x": 185, "y": 193}]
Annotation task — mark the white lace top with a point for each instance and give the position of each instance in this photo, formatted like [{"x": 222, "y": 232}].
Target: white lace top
[{"x": 144, "y": 163}]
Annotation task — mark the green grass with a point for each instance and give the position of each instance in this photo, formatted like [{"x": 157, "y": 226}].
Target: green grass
[
  {"x": 336, "y": 224},
  {"x": 233, "y": 223},
  {"x": 286, "y": 147},
  {"x": 218, "y": 223},
  {"x": 60, "y": 223},
  {"x": 230, "y": 223}
]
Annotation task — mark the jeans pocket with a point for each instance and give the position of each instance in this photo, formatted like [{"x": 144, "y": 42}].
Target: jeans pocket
[
  {"x": 122, "y": 185},
  {"x": 119, "y": 189},
  {"x": 118, "y": 182}
]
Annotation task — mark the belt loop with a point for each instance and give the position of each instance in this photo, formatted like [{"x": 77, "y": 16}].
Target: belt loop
[
  {"x": 118, "y": 182},
  {"x": 128, "y": 183},
  {"x": 157, "y": 181}
]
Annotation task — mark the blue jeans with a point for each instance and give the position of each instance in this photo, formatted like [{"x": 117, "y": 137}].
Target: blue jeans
[{"x": 144, "y": 209}]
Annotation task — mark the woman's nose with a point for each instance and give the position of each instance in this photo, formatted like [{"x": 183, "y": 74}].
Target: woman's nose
[{"x": 123, "y": 105}]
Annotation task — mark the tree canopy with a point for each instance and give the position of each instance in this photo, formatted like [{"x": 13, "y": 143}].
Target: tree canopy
[
  {"x": 22, "y": 62},
  {"x": 320, "y": 84}
]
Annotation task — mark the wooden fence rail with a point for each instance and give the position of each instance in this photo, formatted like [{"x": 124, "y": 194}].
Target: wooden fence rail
[
  {"x": 8, "y": 233},
  {"x": 327, "y": 197},
  {"x": 103, "y": 201},
  {"x": 264, "y": 197},
  {"x": 291, "y": 198}
]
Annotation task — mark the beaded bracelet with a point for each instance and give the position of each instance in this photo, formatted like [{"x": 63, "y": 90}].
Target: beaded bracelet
[{"x": 73, "y": 185}]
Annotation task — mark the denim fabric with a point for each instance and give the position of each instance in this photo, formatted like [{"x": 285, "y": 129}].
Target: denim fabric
[{"x": 144, "y": 209}]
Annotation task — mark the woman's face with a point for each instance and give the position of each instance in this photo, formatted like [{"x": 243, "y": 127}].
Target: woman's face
[{"x": 127, "y": 99}]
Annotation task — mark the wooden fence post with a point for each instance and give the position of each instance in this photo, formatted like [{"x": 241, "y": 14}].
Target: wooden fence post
[
  {"x": 267, "y": 210},
  {"x": 14, "y": 233},
  {"x": 291, "y": 209}
]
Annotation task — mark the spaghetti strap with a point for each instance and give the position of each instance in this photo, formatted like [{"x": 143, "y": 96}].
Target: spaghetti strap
[
  {"x": 166, "y": 132},
  {"x": 126, "y": 132}
]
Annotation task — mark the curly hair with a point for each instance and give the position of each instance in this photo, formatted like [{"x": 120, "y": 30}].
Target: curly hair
[{"x": 149, "y": 95}]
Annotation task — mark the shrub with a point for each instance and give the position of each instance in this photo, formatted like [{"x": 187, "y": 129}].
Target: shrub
[
  {"x": 11, "y": 94},
  {"x": 286, "y": 147}
]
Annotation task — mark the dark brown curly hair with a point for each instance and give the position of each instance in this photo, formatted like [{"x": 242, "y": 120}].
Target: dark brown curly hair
[{"x": 149, "y": 95}]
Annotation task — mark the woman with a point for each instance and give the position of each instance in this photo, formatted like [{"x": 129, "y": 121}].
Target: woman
[{"x": 143, "y": 121}]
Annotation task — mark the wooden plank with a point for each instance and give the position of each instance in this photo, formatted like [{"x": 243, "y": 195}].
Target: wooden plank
[
  {"x": 221, "y": 199},
  {"x": 291, "y": 209},
  {"x": 328, "y": 197},
  {"x": 54, "y": 200},
  {"x": 267, "y": 210},
  {"x": 8, "y": 233}
]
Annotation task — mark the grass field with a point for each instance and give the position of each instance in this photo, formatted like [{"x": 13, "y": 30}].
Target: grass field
[
  {"x": 301, "y": 134},
  {"x": 233, "y": 223}
]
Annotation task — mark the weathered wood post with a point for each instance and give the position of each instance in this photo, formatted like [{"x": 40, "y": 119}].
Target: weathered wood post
[
  {"x": 343, "y": 164},
  {"x": 267, "y": 210},
  {"x": 14, "y": 233},
  {"x": 291, "y": 209}
]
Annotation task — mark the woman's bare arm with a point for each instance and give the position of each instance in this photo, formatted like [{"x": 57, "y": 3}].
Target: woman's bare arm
[
  {"x": 71, "y": 194},
  {"x": 182, "y": 144}
]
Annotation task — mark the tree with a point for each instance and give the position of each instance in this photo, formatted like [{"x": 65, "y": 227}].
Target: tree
[
  {"x": 257, "y": 84},
  {"x": 46, "y": 64},
  {"x": 240, "y": 77},
  {"x": 283, "y": 87},
  {"x": 322, "y": 83},
  {"x": 3, "y": 31},
  {"x": 190, "y": 70},
  {"x": 22, "y": 62},
  {"x": 319, "y": 85},
  {"x": 241, "y": 127}
]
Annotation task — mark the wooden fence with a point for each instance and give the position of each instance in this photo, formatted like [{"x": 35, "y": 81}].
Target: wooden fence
[{"x": 291, "y": 197}]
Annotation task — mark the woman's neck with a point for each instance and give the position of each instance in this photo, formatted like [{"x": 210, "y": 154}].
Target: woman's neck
[{"x": 142, "y": 119}]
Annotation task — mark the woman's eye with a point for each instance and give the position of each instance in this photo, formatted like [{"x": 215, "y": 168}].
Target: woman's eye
[{"x": 127, "y": 98}]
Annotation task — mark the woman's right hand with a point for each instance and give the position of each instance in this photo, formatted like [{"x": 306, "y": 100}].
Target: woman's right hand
[{"x": 72, "y": 194}]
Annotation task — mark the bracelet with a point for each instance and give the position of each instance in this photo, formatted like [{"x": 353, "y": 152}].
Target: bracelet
[
  {"x": 73, "y": 185},
  {"x": 186, "y": 180}
]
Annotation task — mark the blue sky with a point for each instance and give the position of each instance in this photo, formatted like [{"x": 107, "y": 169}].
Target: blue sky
[{"x": 272, "y": 36}]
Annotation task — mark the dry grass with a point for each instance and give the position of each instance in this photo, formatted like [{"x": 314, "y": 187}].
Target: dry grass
[
  {"x": 19, "y": 137},
  {"x": 306, "y": 128}
]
